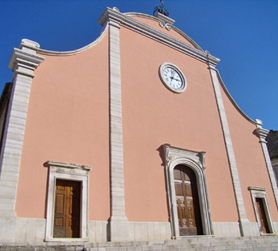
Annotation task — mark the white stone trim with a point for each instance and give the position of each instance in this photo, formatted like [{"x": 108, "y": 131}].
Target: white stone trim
[
  {"x": 244, "y": 222},
  {"x": 130, "y": 23},
  {"x": 232, "y": 100},
  {"x": 257, "y": 192},
  {"x": 23, "y": 62},
  {"x": 30, "y": 230},
  {"x": 66, "y": 171},
  {"x": 119, "y": 228},
  {"x": 275, "y": 224},
  {"x": 98, "y": 231},
  {"x": 149, "y": 231},
  {"x": 262, "y": 134},
  {"x": 73, "y": 52},
  {"x": 226, "y": 229},
  {"x": 164, "y": 22},
  {"x": 232, "y": 229},
  {"x": 196, "y": 161}
]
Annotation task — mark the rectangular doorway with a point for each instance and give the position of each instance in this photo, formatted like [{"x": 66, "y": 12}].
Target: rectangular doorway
[
  {"x": 262, "y": 216},
  {"x": 67, "y": 209}
]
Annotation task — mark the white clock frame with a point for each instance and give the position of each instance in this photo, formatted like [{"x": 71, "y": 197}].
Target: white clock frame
[{"x": 178, "y": 71}]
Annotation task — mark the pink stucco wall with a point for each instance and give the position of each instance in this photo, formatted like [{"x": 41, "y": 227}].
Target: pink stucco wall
[
  {"x": 249, "y": 159},
  {"x": 67, "y": 121},
  {"x": 153, "y": 116}
]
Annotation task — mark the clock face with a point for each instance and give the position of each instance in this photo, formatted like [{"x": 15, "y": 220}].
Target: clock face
[{"x": 172, "y": 77}]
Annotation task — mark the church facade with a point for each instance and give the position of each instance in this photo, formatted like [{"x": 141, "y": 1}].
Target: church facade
[{"x": 133, "y": 137}]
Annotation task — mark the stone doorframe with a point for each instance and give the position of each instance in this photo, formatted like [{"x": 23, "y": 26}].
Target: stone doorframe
[
  {"x": 73, "y": 172},
  {"x": 196, "y": 161},
  {"x": 258, "y": 192}
]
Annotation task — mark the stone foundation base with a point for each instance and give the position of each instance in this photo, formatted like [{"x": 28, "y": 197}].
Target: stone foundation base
[
  {"x": 205, "y": 243},
  {"x": 29, "y": 230}
]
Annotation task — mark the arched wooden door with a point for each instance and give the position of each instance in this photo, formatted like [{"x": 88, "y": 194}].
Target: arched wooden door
[{"x": 188, "y": 208}]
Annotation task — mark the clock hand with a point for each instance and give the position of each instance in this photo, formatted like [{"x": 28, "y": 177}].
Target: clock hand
[
  {"x": 172, "y": 74},
  {"x": 171, "y": 77}
]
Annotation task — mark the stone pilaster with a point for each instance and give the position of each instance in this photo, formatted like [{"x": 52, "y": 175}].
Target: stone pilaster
[
  {"x": 244, "y": 222},
  {"x": 119, "y": 226},
  {"x": 262, "y": 134},
  {"x": 23, "y": 62}
]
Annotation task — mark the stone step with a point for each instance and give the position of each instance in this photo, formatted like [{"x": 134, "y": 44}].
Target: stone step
[{"x": 262, "y": 243}]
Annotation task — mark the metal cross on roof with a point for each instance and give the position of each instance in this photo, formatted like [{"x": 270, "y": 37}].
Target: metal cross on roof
[{"x": 161, "y": 9}]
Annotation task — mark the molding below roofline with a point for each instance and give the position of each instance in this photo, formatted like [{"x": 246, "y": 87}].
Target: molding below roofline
[
  {"x": 73, "y": 52},
  {"x": 125, "y": 20},
  {"x": 256, "y": 122},
  {"x": 163, "y": 23}
]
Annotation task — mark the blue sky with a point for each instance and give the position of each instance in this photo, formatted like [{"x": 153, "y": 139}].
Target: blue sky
[{"x": 242, "y": 34}]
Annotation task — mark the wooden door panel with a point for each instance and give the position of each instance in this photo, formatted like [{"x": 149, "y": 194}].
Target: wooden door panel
[
  {"x": 181, "y": 213},
  {"x": 190, "y": 212},
  {"x": 262, "y": 215},
  {"x": 58, "y": 222},
  {"x": 192, "y": 231},
  {"x": 177, "y": 174},
  {"x": 59, "y": 217},
  {"x": 67, "y": 209},
  {"x": 187, "y": 201},
  {"x": 188, "y": 189},
  {"x": 186, "y": 177},
  {"x": 178, "y": 187},
  {"x": 59, "y": 203}
]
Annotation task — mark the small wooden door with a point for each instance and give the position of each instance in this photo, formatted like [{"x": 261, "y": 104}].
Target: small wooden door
[
  {"x": 262, "y": 215},
  {"x": 187, "y": 201},
  {"x": 67, "y": 209}
]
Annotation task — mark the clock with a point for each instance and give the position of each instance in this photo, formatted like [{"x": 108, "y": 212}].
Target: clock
[{"x": 172, "y": 77}]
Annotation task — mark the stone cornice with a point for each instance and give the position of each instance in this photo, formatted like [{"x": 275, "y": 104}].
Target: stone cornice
[
  {"x": 67, "y": 165},
  {"x": 24, "y": 61},
  {"x": 113, "y": 15},
  {"x": 73, "y": 52},
  {"x": 232, "y": 100},
  {"x": 22, "y": 57},
  {"x": 169, "y": 41},
  {"x": 115, "y": 18},
  {"x": 256, "y": 189},
  {"x": 165, "y": 21},
  {"x": 262, "y": 133},
  {"x": 168, "y": 25}
]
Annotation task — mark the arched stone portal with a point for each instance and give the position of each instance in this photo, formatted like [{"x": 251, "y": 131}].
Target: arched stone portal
[{"x": 175, "y": 159}]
